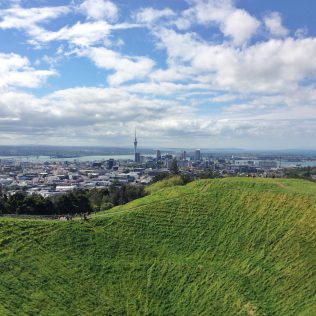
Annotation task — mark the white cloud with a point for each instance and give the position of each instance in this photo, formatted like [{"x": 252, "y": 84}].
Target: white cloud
[
  {"x": 224, "y": 98},
  {"x": 107, "y": 104},
  {"x": 259, "y": 84},
  {"x": 102, "y": 112},
  {"x": 100, "y": 10},
  {"x": 126, "y": 68},
  {"x": 270, "y": 66},
  {"x": 29, "y": 19},
  {"x": 207, "y": 11},
  {"x": 164, "y": 88},
  {"x": 176, "y": 73},
  {"x": 301, "y": 32},
  {"x": 179, "y": 46},
  {"x": 16, "y": 71},
  {"x": 90, "y": 115},
  {"x": 234, "y": 23},
  {"x": 273, "y": 23},
  {"x": 276, "y": 65},
  {"x": 297, "y": 104},
  {"x": 150, "y": 15},
  {"x": 80, "y": 34},
  {"x": 240, "y": 26}
]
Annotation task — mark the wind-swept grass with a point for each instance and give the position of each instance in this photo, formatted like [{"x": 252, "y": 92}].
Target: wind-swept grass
[
  {"x": 213, "y": 247},
  {"x": 166, "y": 183}
]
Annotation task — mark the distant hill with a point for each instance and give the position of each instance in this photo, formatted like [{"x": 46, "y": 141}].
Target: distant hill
[{"x": 213, "y": 247}]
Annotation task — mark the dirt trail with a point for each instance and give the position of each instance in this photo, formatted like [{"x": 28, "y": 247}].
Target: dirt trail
[{"x": 282, "y": 185}]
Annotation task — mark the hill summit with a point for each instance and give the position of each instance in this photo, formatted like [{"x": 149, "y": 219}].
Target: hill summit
[{"x": 213, "y": 247}]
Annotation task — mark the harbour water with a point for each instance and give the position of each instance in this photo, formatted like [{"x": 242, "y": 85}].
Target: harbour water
[{"x": 41, "y": 159}]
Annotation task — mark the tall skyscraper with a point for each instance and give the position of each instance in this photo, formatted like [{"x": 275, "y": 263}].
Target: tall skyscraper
[
  {"x": 158, "y": 155},
  {"x": 110, "y": 163},
  {"x": 197, "y": 155},
  {"x": 137, "y": 157},
  {"x": 135, "y": 148}
]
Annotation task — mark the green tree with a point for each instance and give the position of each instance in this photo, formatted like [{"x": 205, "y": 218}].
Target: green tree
[
  {"x": 105, "y": 206},
  {"x": 208, "y": 174},
  {"x": 174, "y": 166},
  {"x": 160, "y": 176},
  {"x": 82, "y": 203},
  {"x": 16, "y": 202},
  {"x": 186, "y": 178},
  {"x": 64, "y": 204}
]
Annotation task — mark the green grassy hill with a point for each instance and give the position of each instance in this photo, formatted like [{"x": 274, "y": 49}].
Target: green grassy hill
[{"x": 213, "y": 247}]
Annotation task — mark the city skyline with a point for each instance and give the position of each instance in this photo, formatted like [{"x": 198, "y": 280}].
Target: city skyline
[{"x": 187, "y": 73}]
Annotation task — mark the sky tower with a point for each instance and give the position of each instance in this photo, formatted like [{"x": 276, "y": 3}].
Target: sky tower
[
  {"x": 135, "y": 143},
  {"x": 136, "y": 155}
]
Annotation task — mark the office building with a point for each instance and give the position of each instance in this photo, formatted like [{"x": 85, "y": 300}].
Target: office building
[
  {"x": 137, "y": 157},
  {"x": 197, "y": 155},
  {"x": 158, "y": 155}
]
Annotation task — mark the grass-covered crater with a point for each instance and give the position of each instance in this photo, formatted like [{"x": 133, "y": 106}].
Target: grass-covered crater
[{"x": 213, "y": 247}]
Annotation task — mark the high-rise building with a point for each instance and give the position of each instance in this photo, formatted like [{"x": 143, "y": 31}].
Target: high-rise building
[
  {"x": 110, "y": 163},
  {"x": 197, "y": 155},
  {"x": 268, "y": 164},
  {"x": 158, "y": 155},
  {"x": 184, "y": 155},
  {"x": 137, "y": 157}
]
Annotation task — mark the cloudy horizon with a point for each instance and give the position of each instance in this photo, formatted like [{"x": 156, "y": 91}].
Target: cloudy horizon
[{"x": 186, "y": 73}]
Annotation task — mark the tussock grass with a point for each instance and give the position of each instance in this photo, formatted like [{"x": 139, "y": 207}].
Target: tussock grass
[
  {"x": 166, "y": 183},
  {"x": 213, "y": 247}
]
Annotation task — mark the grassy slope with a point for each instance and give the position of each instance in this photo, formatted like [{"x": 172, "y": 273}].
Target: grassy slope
[{"x": 214, "y": 247}]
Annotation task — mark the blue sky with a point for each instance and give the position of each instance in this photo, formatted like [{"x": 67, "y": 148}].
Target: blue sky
[{"x": 186, "y": 73}]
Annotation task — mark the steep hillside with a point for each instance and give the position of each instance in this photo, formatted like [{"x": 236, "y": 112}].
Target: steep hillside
[{"x": 212, "y": 247}]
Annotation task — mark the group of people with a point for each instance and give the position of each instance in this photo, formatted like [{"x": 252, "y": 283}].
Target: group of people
[
  {"x": 83, "y": 215},
  {"x": 65, "y": 218}
]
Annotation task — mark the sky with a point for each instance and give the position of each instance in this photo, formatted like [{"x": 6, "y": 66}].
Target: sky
[{"x": 185, "y": 73}]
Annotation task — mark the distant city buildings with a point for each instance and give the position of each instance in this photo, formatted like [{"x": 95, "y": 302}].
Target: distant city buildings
[
  {"x": 137, "y": 157},
  {"x": 110, "y": 164},
  {"x": 197, "y": 155},
  {"x": 57, "y": 176},
  {"x": 158, "y": 155},
  {"x": 268, "y": 164}
]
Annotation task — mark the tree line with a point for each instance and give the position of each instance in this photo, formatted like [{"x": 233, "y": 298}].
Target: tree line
[
  {"x": 75, "y": 202},
  {"x": 305, "y": 173}
]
